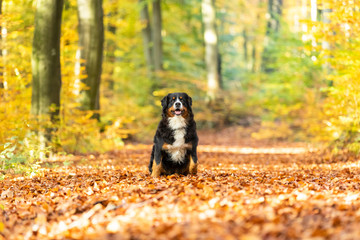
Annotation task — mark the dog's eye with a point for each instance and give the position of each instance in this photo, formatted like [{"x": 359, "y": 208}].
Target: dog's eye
[
  {"x": 180, "y": 98},
  {"x": 173, "y": 98}
]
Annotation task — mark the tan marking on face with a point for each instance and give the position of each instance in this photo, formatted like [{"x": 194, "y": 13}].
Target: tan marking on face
[
  {"x": 170, "y": 112},
  {"x": 185, "y": 112}
]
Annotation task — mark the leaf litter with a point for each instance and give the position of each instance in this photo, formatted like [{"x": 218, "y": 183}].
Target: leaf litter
[{"x": 235, "y": 195}]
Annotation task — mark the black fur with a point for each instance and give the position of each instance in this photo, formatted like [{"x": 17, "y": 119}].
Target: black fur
[{"x": 165, "y": 135}]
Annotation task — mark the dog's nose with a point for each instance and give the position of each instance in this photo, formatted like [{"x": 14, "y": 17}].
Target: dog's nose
[{"x": 177, "y": 105}]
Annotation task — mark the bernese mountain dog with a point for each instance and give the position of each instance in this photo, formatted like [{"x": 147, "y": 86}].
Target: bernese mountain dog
[{"x": 176, "y": 140}]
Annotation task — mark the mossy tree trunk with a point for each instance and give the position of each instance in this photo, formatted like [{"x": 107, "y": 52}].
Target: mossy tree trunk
[
  {"x": 91, "y": 43},
  {"x": 146, "y": 35},
  {"x": 275, "y": 12},
  {"x": 46, "y": 74},
  {"x": 156, "y": 35}
]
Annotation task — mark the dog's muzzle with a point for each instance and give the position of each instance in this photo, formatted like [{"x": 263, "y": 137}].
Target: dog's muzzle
[{"x": 178, "y": 107}]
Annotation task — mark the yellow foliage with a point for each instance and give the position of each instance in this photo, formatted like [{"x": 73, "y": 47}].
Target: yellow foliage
[
  {"x": 15, "y": 95},
  {"x": 130, "y": 96},
  {"x": 75, "y": 131},
  {"x": 342, "y": 103},
  {"x": 273, "y": 130}
]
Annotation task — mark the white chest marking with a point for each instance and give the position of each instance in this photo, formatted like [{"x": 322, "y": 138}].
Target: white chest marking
[{"x": 178, "y": 148}]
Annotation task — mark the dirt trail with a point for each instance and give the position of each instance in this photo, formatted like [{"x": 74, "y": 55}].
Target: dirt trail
[{"x": 245, "y": 189}]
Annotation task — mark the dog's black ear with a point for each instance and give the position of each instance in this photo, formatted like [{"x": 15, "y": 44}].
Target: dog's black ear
[
  {"x": 164, "y": 101},
  {"x": 190, "y": 101}
]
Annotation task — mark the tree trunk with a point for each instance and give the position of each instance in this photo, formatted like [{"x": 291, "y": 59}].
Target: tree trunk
[
  {"x": 272, "y": 29},
  {"x": 156, "y": 35},
  {"x": 256, "y": 45},
  {"x": 110, "y": 47},
  {"x": 211, "y": 48},
  {"x": 314, "y": 10},
  {"x": 91, "y": 43},
  {"x": 325, "y": 44},
  {"x": 247, "y": 60},
  {"x": 274, "y": 11},
  {"x": 254, "y": 68},
  {"x": 46, "y": 82},
  {"x": 245, "y": 47},
  {"x": 146, "y": 35}
]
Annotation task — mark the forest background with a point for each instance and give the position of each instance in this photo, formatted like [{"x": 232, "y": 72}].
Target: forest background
[{"x": 290, "y": 67}]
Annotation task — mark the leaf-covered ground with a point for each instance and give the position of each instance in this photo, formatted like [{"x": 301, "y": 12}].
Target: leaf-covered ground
[{"x": 244, "y": 190}]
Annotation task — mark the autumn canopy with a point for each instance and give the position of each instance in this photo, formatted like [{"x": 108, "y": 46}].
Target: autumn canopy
[{"x": 274, "y": 87}]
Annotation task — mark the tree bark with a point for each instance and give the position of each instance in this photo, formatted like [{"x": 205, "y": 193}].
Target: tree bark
[
  {"x": 245, "y": 46},
  {"x": 272, "y": 29},
  {"x": 274, "y": 11},
  {"x": 46, "y": 82},
  {"x": 254, "y": 68},
  {"x": 146, "y": 35},
  {"x": 110, "y": 47},
  {"x": 211, "y": 48},
  {"x": 256, "y": 58},
  {"x": 91, "y": 43},
  {"x": 156, "y": 35}
]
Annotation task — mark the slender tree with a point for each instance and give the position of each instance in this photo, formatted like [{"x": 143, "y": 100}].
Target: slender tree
[
  {"x": 156, "y": 35},
  {"x": 274, "y": 11},
  {"x": 325, "y": 45},
  {"x": 46, "y": 76},
  {"x": 245, "y": 45},
  {"x": 314, "y": 10},
  {"x": 110, "y": 49},
  {"x": 211, "y": 48},
  {"x": 254, "y": 43},
  {"x": 91, "y": 43},
  {"x": 146, "y": 34},
  {"x": 272, "y": 29}
]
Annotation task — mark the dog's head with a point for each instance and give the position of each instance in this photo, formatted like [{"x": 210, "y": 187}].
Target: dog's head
[{"x": 177, "y": 105}]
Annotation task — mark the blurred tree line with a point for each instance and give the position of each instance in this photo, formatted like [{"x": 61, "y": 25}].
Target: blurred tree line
[{"x": 82, "y": 75}]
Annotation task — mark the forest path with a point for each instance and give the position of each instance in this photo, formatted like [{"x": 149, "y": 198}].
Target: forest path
[{"x": 244, "y": 189}]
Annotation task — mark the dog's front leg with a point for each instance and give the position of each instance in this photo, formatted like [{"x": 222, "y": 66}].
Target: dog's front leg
[
  {"x": 157, "y": 167},
  {"x": 193, "y": 159}
]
